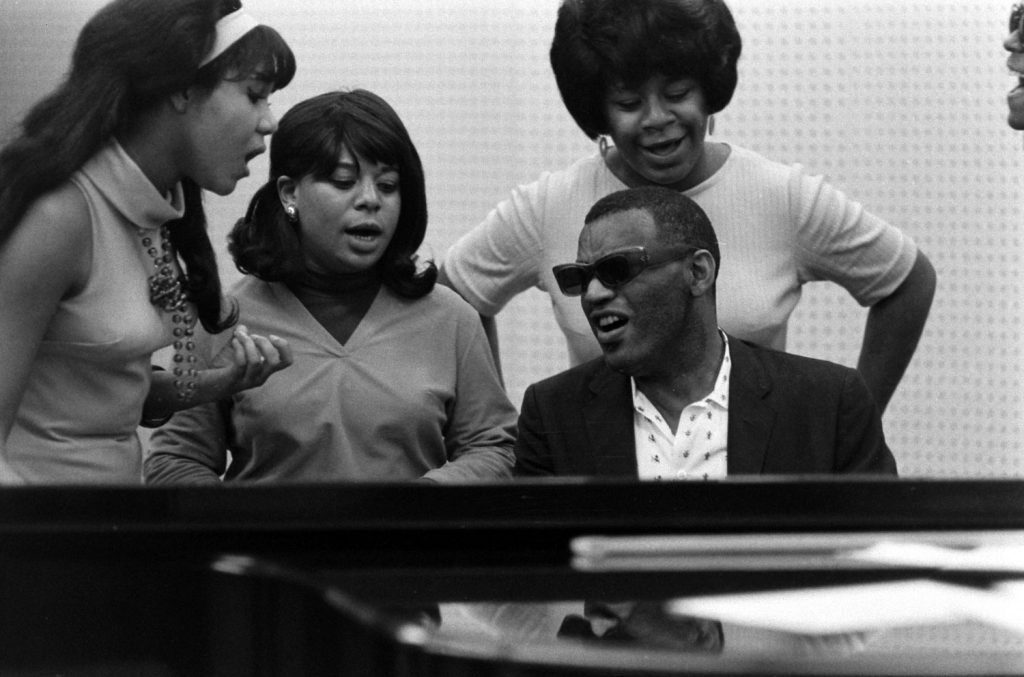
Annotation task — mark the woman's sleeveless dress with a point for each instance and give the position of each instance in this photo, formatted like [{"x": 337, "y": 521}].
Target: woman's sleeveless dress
[{"x": 79, "y": 415}]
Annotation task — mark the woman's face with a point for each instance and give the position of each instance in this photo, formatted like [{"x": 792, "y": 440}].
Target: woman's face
[
  {"x": 348, "y": 219},
  {"x": 1014, "y": 44},
  {"x": 659, "y": 129},
  {"x": 225, "y": 128}
]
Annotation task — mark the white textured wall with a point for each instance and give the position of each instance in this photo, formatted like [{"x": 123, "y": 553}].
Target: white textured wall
[{"x": 900, "y": 102}]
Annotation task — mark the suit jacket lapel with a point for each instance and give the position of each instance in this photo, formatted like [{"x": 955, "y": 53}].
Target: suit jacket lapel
[
  {"x": 751, "y": 419},
  {"x": 609, "y": 420}
]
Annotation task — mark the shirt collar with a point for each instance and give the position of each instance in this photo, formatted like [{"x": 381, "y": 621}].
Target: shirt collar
[
  {"x": 718, "y": 396},
  {"x": 122, "y": 182}
]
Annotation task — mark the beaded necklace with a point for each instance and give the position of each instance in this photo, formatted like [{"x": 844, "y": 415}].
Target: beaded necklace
[{"x": 167, "y": 293}]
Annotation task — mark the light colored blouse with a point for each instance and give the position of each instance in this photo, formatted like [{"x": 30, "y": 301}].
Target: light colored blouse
[
  {"x": 778, "y": 228},
  {"x": 79, "y": 414}
]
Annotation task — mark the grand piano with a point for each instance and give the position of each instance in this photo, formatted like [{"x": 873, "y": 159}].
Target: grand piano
[{"x": 369, "y": 579}]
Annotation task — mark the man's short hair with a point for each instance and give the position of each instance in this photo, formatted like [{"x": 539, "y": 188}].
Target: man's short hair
[{"x": 680, "y": 221}]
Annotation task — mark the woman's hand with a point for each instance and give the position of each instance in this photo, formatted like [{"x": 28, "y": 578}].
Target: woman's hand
[{"x": 246, "y": 361}]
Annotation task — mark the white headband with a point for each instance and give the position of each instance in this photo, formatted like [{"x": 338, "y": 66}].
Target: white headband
[{"x": 229, "y": 29}]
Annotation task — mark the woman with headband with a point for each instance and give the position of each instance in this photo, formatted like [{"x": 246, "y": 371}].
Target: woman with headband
[{"x": 104, "y": 254}]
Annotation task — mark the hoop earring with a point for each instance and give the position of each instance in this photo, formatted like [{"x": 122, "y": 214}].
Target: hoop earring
[
  {"x": 711, "y": 125},
  {"x": 602, "y": 144}
]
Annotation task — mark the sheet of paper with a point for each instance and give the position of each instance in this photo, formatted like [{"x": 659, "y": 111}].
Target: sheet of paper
[
  {"x": 1002, "y": 606},
  {"x": 838, "y": 609},
  {"x": 995, "y": 558}
]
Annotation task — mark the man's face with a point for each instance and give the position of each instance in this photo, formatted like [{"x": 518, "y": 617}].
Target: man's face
[{"x": 639, "y": 325}]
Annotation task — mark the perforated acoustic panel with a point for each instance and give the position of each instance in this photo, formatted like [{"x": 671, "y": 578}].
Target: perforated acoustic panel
[{"x": 901, "y": 103}]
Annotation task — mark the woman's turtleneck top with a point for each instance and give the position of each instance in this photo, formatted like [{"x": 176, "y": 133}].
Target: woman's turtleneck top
[
  {"x": 83, "y": 401},
  {"x": 337, "y": 301}
]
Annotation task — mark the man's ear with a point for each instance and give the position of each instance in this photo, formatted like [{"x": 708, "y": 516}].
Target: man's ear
[{"x": 703, "y": 270}]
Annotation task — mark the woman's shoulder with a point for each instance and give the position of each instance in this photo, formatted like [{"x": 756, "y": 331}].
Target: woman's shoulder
[
  {"x": 65, "y": 206},
  {"x": 248, "y": 285},
  {"x": 53, "y": 238},
  {"x": 744, "y": 166},
  {"x": 441, "y": 301},
  {"x": 446, "y": 298},
  {"x": 587, "y": 170},
  {"x": 741, "y": 157},
  {"x": 59, "y": 221},
  {"x": 258, "y": 297}
]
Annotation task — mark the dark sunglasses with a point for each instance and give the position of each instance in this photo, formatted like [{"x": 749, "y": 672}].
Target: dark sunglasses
[
  {"x": 612, "y": 270},
  {"x": 1016, "y": 18}
]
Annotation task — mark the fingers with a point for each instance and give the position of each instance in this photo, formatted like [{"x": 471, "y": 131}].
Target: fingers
[
  {"x": 284, "y": 350},
  {"x": 269, "y": 356},
  {"x": 245, "y": 351},
  {"x": 259, "y": 356}
]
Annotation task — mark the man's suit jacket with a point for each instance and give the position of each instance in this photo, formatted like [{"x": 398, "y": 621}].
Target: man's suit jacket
[{"x": 787, "y": 415}]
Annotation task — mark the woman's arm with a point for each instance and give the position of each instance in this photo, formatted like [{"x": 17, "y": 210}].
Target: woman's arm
[
  {"x": 191, "y": 448},
  {"x": 499, "y": 258},
  {"x": 489, "y": 323},
  {"x": 843, "y": 242},
  {"x": 892, "y": 330},
  {"x": 480, "y": 432},
  {"x": 246, "y": 361},
  {"x": 44, "y": 260}
]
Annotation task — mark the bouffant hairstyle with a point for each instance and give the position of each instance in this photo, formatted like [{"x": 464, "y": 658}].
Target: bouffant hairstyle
[
  {"x": 599, "y": 43},
  {"x": 308, "y": 142}
]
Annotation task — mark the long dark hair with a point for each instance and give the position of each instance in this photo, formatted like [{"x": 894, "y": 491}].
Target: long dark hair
[
  {"x": 129, "y": 56},
  {"x": 308, "y": 142}
]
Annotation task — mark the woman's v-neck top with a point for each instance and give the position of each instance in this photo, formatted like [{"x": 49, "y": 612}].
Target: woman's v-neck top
[{"x": 412, "y": 393}]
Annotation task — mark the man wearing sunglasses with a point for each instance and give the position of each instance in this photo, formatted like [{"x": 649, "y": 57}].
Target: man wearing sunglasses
[{"x": 674, "y": 397}]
